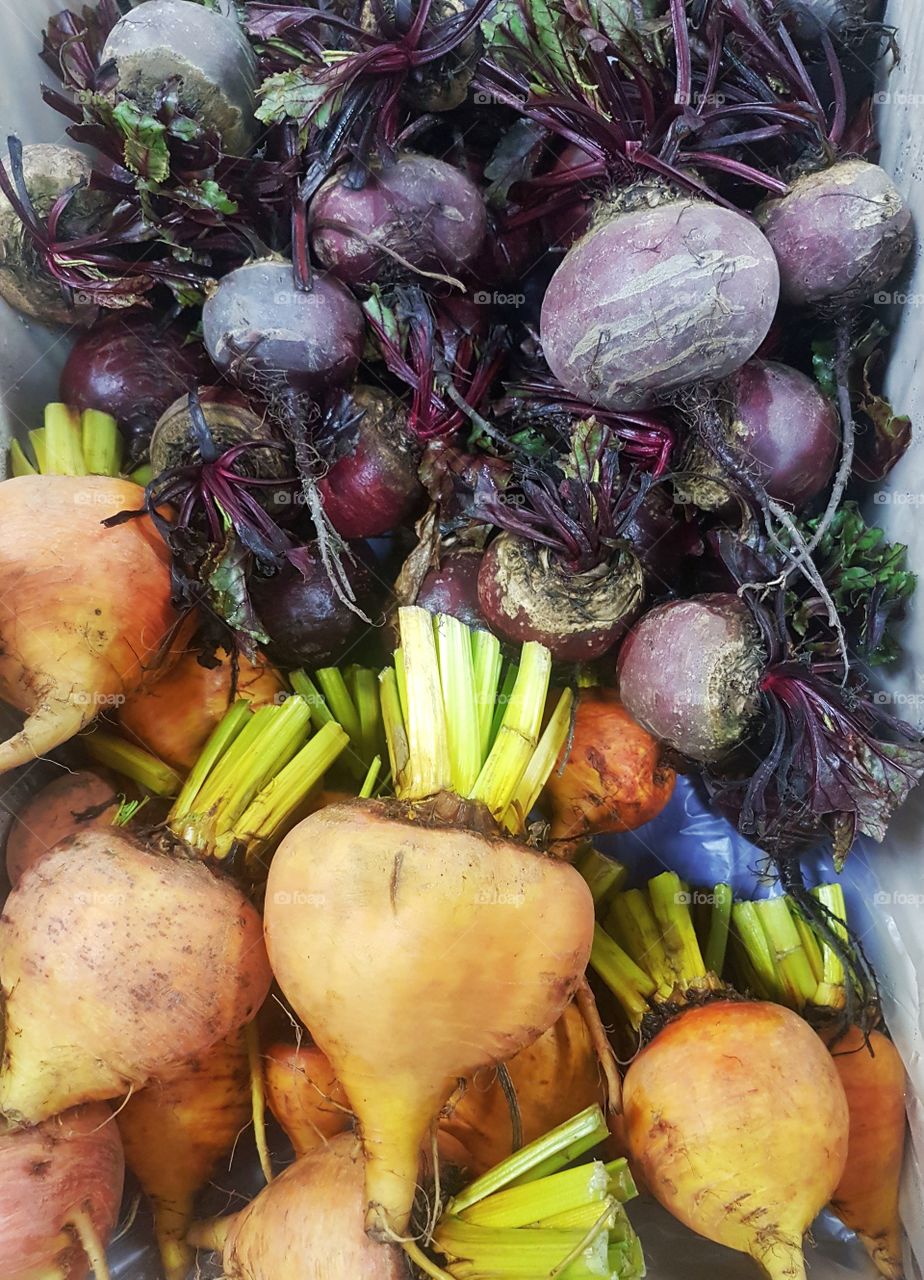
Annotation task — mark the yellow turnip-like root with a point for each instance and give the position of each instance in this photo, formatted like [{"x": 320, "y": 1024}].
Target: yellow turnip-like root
[
  {"x": 304, "y": 1095},
  {"x": 84, "y": 610},
  {"x": 307, "y": 1225},
  {"x": 174, "y": 717},
  {"x": 60, "y": 1190},
  {"x": 70, "y": 803},
  {"x": 553, "y": 1079},
  {"x": 175, "y": 1131},
  {"x": 416, "y": 955},
  {"x": 117, "y": 966},
  {"x": 737, "y": 1119},
  {"x": 866, "y": 1198}
]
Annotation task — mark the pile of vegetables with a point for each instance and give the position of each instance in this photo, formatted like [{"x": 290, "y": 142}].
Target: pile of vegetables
[{"x": 465, "y": 432}]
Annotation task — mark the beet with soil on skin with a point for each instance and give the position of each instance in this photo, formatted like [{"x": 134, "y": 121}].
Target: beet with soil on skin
[
  {"x": 657, "y": 298},
  {"x": 49, "y": 170},
  {"x": 420, "y": 208},
  {"x": 779, "y": 419},
  {"x": 205, "y": 52},
  {"x": 262, "y": 330},
  {"x": 373, "y": 487},
  {"x": 839, "y": 236},
  {"x": 526, "y": 594},
  {"x": 307, "y": 622},
  {"x": 689, "y": 672},
  {"x": 133, "y": 366}
]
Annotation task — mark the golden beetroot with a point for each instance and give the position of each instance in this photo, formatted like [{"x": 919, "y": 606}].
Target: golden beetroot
[
  {"x": 866, "y": 1198},
  {"x": 175, "y": 1131},
  {"x": 68, "y": 804},
  {"x": 304, "y": 1095},
  {"x": 60, "y": 1190},
  {"x": 737, "y": 1120},
  {"x": 174, "y": 717},
  {"x": 359, "y": 904},
  {"x": 117, "y": 965},
  {"x": 613, "y": 777},
  {"x": 77, "y": 630},
  {"x": 306, "y": 1225},
  {"x": 554, "y": 1078}
]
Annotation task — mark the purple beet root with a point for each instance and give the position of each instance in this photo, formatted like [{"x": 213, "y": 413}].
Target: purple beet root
[
  {"x": 657, "y": 298},
  {"x": 261, "y": 330},
  {"x": 419, "y": 212},
  {"x": 780, "y": 420},
  {"x": 453, "y": 588},
  {"x": 525, "y": 594},
  {"x": 689, "y": 671},
  {"x": 307, "y": 622},
  {"x": 839, "y": 235},
  {"x": 374, "y": 486},
  {"x": 133, "y": 366}
]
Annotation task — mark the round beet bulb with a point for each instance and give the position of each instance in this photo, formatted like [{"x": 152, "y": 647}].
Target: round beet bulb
[
  {"x": 260, "y": 328},
  {"x": 420, "y": 208},
  {"x": 526, "y": 594},
  {"x": 133, "y": 366},
  {"x": 654, "y": 299},
  {"x": 781, "y": 420},
  {"x": 663, "y": 539},
  {"x": 689, "y": 672},
  {"x": 839, "y": 235},
  {"x": 307, "y": 622},
  {"x": 374, "y": 487},
  {"x": 453, "y": 587},
  {"x": 206, "y": 55}
]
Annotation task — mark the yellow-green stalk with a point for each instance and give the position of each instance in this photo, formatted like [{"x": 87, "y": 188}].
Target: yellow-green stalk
[
  {"x": 132, "y": 762},
  {"x": 71, "y": 444},
  {"x": 533, "y": 1215},
  {"x": 252, "y": 779},
  {"x": 646, "y": 950},
  {"x": 605, "y": 876},
  {"x": 350, "y": 699},
  {"x": 452, "y": 723}
]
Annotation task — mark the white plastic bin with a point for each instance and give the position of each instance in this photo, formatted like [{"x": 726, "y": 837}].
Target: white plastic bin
[{"x": 889, "y": 882}]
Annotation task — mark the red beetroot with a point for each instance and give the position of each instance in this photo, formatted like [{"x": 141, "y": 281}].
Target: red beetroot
[
  {"x": 689, "y": 673},
  {"x": 527, "y": 594},
  {"x": 780, "y": 419},
  {"x": 658, "y": 298},
  {"x": 133, "y": 366},
  {"x": 422, "y": 209},
  {"x": 373, "y": 487},
  {"x": 307, "y": 621},
  {"x": 839, "y": 235},
  {"x": 260, "y": 328},
  {"x": 453, "y": 587}
]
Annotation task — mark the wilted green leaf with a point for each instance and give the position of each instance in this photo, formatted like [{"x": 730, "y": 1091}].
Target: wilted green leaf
[
  {"x": 145, "y": 142},
  {"x": 296, "y": 95}
]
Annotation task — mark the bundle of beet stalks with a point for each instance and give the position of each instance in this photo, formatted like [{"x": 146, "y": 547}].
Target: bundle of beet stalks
[{"x": 468, "y": 418}]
